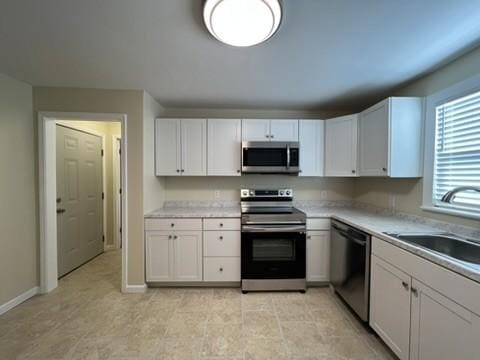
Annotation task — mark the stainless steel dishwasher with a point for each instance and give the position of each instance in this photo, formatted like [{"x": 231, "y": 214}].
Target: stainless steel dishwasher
[{"x": 350, "y": 266}]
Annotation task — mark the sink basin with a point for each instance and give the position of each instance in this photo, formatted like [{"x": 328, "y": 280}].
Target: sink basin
[{"x": 445, "y": 244}]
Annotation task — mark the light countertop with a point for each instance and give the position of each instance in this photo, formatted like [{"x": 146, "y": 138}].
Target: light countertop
[{"x": 373, "y": 220}]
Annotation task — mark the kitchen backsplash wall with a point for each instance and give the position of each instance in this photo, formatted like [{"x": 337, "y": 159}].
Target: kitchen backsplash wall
[{"x": 227, "y": 188}]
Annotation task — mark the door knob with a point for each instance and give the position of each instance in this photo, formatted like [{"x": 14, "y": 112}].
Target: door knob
[{"x": 61, "y": 211}]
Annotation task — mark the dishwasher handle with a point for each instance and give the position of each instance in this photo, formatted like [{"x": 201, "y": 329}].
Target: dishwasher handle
[{"x": 347, "y": 236}]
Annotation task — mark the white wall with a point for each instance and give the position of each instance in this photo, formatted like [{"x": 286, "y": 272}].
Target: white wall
[
  {"x": 19, "y": 266},
  {"x": 153, "y": 187},
  {"x": 407, "y": 193}
]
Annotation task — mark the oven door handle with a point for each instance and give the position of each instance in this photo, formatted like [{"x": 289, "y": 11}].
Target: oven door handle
[
  {"x": 275, "y": 222},
  {"x": 258, "y": 229}
]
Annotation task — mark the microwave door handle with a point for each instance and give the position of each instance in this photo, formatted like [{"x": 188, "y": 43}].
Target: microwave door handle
[{"x": 288, "y": 156}]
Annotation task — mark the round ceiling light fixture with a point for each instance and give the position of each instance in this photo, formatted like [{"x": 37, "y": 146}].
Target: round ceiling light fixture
[{"x": 242, "y": 22}]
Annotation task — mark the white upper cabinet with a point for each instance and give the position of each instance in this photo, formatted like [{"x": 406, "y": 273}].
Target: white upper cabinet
[
  {"x": 269, "y": 130},
  {"x": 256, "y": 130},
  {"x": 224, "y": 147},
  {"x": 312, "y": 147},
  {"x": 284, "y": 130},
  {"x": 341, "y": 146},
  {"x": 167, "y": 147},
  {"x": 180, "y": 147},
  {"x": 390, "y": 138},
  {"x": 194, "y": 147}
]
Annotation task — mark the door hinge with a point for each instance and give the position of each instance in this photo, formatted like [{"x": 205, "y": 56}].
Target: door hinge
[
  {"x": 101, "y": 151},
  {"x": 103, "y": 196},
  {"x": 103, "y": 238}
]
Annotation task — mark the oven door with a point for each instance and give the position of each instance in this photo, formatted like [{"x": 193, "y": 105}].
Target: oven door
[
  {"x": 273, "y": 252},
  {"x": 270, "y": 157}
]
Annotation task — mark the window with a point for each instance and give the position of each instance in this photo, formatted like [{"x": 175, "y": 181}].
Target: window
[
  {"x": 452, "y": 148},
  {"x": 457, "y": 152}
]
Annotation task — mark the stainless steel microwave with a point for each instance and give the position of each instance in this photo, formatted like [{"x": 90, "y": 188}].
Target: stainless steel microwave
[{"x": 270, "y": 157}]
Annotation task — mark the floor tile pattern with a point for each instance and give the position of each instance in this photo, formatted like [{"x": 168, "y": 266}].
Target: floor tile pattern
[{"x": 87, "y": 317}]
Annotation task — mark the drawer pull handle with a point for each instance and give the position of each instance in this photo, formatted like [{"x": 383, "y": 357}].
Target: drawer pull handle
[{"x": 221, "y": 269}]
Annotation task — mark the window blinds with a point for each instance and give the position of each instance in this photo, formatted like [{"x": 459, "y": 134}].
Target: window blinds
[{"x": 457, "y": 151}]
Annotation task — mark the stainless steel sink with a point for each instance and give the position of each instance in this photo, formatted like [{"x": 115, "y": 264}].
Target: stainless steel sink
[{"x": 446, "y": 244}]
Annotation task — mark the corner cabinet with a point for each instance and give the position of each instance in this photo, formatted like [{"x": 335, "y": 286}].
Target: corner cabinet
[
  {"x": 180, "y": 147},
  {"x": 421, "y": 310},
  {"x": 390, "y": 138},
  {"x": 224, "y": 147},
  {"x": 269, "y": 130},
  {"x": 312, "y": 147},
  {"x": 341, "y": 146}
]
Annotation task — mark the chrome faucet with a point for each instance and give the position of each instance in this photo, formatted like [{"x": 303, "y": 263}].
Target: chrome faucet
[{"x": 449, "y": 195}]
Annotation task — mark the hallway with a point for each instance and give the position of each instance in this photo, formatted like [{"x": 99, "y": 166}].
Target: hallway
[{"x": 87, "y": 317}]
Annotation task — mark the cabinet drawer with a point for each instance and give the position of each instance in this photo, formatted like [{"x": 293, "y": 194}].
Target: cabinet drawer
[
  {"x": 221, "y": 243},
  {"x": 221, "y": 269},
  {"x": 173, "y": 224},
  {"x": 318, "y": 224},
  {"x": 221, "y": 224}
]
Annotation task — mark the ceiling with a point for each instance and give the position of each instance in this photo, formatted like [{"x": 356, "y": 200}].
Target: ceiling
[{"x": 327, "y": 54}]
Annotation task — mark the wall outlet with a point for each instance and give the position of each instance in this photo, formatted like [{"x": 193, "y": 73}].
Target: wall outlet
[{"x": 217, "y": 194}]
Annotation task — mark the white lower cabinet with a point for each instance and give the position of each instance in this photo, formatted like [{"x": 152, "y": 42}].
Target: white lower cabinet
[
  {"x": 318, "y": 256},
  {"x": 222, "y": 269},
  {"x": 441, "y": 329},
  {"x": 174, "y": 256},
  {"x": 390, "y": 306},
  {"x": 435, "y": 318}
]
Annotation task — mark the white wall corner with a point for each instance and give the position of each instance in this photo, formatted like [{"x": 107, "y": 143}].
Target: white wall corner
[{"x": 19, "y": 299}]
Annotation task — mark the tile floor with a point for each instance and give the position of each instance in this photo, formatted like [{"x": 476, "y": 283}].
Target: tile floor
[{"x": 87, "y": 317}]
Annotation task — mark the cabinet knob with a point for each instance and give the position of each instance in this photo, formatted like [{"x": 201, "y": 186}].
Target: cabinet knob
[
  {"x": 384, "y": 169},
  {"x": 267, "y": 136},
  {"x": 183, "y": 170},
  {"x": 174, "y": 236},
  {"x": 272, "y": 136},
  {"x": 414, "y": 292},
  {"x": 169, "y": 236},
  {"x": 238, "y": 171},
  {"x": 353, "y": 171},
  {"x": 221, "y": 225},
  {"x": 178, "y": 170},
  {"x": 221, "y": 237},
  {"x": 172, "y": 225},
  {"x": 221, "y": 269},
  {"x": 405, "y": 285},
  {"x": 309, "y": 237}
]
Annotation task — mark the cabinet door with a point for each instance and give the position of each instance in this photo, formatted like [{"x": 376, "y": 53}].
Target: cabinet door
[
  {"x": 373, "y": 140},
  {"x": 224, "y": 147},
  {"x": 194, "y": 147},
  {"x": 312, "y": 147},
  {"x": 442, "y": 329},
  {"x": 167, "y": 147},
  {"x": 318, "y": 256},
  {"x": 390, "y": 306},
  {"x": 284, "y": 130},
  {"x": 255, "y": 130},
  {"x": 187, "y": 249},
  {"x": 341, "y": 146},
  {"x": 159, "y": 255}
]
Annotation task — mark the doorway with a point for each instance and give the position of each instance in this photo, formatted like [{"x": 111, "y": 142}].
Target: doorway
[{"x": 53, "y": 248}]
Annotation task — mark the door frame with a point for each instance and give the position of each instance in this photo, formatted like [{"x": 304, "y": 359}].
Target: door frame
[
  {"x": 104, "y": 178},
  {"x": 117, "y": 218},
  {"x": 47, "y": 191}
]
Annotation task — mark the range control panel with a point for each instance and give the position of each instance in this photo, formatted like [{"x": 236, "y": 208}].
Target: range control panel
[{"x": 263, "y": 193}]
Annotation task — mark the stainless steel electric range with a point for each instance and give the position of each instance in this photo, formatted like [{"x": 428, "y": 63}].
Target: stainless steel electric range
[{"x": 273, "y": 241}]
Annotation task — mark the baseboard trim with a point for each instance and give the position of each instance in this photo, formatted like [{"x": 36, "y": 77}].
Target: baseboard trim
[
  {"x": 19, "y": 299},
  {"x": 135, "y": 289}
]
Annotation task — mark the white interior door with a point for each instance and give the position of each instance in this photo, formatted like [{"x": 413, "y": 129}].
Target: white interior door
[{"x": 79, "y": 198}]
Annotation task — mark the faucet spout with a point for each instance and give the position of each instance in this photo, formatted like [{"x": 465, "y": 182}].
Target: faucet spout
[{"x": 450, "y": 195}]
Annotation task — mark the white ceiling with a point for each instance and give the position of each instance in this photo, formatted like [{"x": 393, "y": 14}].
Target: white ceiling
[{"x": 327, "y": 53}]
